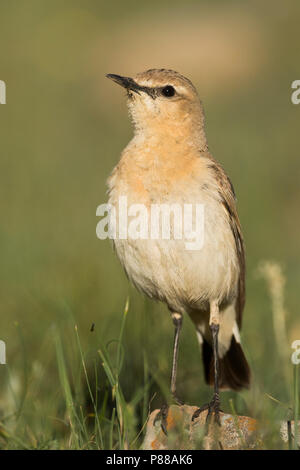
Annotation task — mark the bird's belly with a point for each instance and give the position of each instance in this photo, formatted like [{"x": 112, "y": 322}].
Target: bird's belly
[{"x": 185, "y": 279}]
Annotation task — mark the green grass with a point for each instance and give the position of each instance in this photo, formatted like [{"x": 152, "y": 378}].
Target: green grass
[
  {"x": 90, "y": 411},
  {"x": 61, "y": 133}
]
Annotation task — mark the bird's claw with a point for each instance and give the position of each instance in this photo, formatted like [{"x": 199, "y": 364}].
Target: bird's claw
[
  {"x": 212, "y": 407},
  {"x": 162, "y": 416}
]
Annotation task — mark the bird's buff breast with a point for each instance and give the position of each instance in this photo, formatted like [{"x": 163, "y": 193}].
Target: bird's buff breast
[{"x": 166, "y": 269}]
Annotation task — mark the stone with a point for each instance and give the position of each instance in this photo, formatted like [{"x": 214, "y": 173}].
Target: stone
[
  {"x": 235, "y": 432},
  {"x": 284, "y": 432}
]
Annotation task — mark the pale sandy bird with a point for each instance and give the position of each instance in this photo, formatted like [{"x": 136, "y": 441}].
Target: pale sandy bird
[{"x": 168, "y": 161}]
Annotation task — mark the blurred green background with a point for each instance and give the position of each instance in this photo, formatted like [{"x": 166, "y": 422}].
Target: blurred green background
[{"x": 61, "y": 133}]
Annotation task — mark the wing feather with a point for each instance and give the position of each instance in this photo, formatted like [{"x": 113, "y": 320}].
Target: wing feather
[{"x": 228, "y": 199}]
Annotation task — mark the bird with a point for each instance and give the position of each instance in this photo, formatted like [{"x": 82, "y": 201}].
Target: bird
[{"x": 168, "y": 161}]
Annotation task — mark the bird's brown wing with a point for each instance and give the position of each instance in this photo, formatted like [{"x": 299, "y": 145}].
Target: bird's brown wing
[{"x": 228, "y": 199}]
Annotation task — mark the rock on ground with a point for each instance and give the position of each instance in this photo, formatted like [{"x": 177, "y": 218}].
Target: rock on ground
[{"x": 235, "y": 432}]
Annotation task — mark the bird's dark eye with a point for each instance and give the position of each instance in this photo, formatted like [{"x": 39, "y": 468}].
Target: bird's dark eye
[{"x": 168, "y": 91}]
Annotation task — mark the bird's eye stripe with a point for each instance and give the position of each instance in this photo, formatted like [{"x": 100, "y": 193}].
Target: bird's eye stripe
[{"x": 168, "y": 91}]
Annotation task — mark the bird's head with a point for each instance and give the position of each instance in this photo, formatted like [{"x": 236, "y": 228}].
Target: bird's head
[{"x": 162, "y": 102}]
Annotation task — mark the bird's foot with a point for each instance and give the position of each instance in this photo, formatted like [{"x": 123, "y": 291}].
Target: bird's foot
[
  {"x": 162, "y": 415},
  {"x": 212, "y": 407}
]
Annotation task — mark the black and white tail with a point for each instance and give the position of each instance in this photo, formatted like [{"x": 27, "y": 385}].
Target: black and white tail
[{"x": 233, "y": 366}]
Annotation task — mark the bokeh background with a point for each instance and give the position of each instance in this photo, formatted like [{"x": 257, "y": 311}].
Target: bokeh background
[{"x": 61, "y": 133}]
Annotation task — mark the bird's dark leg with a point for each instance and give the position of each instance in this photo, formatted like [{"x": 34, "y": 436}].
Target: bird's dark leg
[
  {"x": 163, "y": 413},
  {"x": 177, "y": 321},
  {"x": 214, "y": 405}
]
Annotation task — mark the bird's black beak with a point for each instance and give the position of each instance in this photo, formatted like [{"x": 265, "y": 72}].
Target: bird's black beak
[{"x": 125, "y": 82}]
